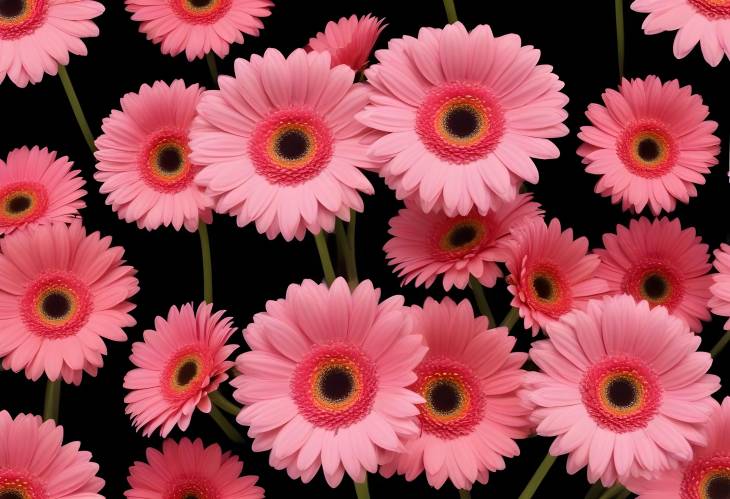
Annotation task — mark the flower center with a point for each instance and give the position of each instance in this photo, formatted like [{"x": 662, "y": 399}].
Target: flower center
[
  {"x": 22, "y": 203},
  {"x": 19, "y": 18},
  {"x": 460, "y": 122},
  {"x": 462, "y": 235},
  {"x": 165, "y": 164},
  {"x": 654, "y": 282},
  {"x": 56, "y": 305},
  {"x": 201, "y": 11},
  {"x": 621, "y": 393},
  {"x": 19, "y": 204},
  {"x": 14, "y": 485},
  {"x": 291, "y": 146},
  {"x": 647, "y": 149},
  {"x": 185, "y": 372},
  {"x": 545, "y": 290},
  {"x": 712, "y": 8},
  {"x": 192, "y": 488},
  {"x": 543, "y": 287},
  {"x": 454, "y": 403},
  {"x": 334, "y": 386},
  {"x": 707, "y": 478}
]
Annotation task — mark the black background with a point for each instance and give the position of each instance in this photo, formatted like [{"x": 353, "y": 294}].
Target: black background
[{"x": 577, "y": 38}]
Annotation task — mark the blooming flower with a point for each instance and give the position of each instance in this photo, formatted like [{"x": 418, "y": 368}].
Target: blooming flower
[{"x": 349, "y": 40}]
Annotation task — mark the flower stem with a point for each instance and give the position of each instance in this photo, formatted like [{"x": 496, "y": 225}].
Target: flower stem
[
  {"x": 225, "y": 425},
  {"x": 324, "y": 257},
  {"x": 720, "y": 344},
  {"x": 344, "y": 248},
  {"x": 351, "y": 232},
  {"x": 624, "y": 494},
  {"x": 224, "y": 404},
  {"x": 612, "y": 492},
  {"x": 362, "y": 490},
  {"x": 595, "y": 491},
  {"x": 481, "y": 299},
  {"x": 212, "y": 67},
  {"x": 52, "y": 400},
  {"x": 450, "y": 11},
  {"x": 464, "y": 494},
  {"x": 511, "y": 319},
  {"x": 207, "y": 262},
  {"x": 76, "y": 107},
  {"x": 537, "y": 478},
  {"x": 619, "y": 4}
]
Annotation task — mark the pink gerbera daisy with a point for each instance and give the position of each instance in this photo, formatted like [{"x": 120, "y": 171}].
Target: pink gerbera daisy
[
  {"x": 464, "y": 114},
  {"x": 349, "y": 40},
  {"x": 707, "y": 476},
  {"x": 34, "y": 464},
  {"x": 550, "y": 272},
  {"x": 426, "y": 245},
  {"x": 651, "y": 144},
  {"x": 325, "y": 383},
  {"x": 706, "y": 22},
  {"x": 189, "y": 470},
  {"x": 472, "y": 413},
  {"x": 662, "y": 264},
  {"x": 36, "y": 36},
  {"x": 623, "y": 388},
  {"x": 38, "y": 188},
  {"x": 280, "y": 152},
  {"x": 179, "y": 364},
  {"x": 720, "y": 299},
  {"x": 144, "y": 163},
  {"x": 198, "y": 27},
  {"x": 61, "y": 293}
]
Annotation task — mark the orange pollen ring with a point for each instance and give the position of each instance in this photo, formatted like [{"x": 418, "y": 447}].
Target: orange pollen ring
[
  {"x": 463, "y": 235},
  {"x": 202, "y": 8},
  {"x": 475, "y": 122},
  {"x": 630, "y": 379},
  {"x": 25, "y": 196},
  {"x": 173, "y": 150},
  {"x": 343, "y": 367},
  {"x": 189, "y": 369},
  {"x": 649, "y": 148},
  {"x": 65, "y": 293},
  {"x": 275, "y": 142},
  {"x": 450, "y": 381},
  {"x": 25, "y": 13},
  {"x": 545, "y": 287},
  {"x": 714, "y": 475}
]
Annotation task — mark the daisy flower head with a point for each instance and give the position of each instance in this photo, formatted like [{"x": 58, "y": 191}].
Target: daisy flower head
[
  {"x": 62, "y": 293},
  {"x": 349, "y": 40},
  {"x": 325, "y": 384},
  {"x": 463, "y": 114},
  {"x": 425, "y": 246},
  {"x": 34, "y": 462},
  {"x": 696, "y": 21},
  {"x": 198, "y": 27},
  {"x": 178, "y": 365},
  {"x": 189, "y": 470},
  {"x": 651, "y": 143},
  {"x": 470, "y": 380},
  {"x": 720, "y": 288},
  {"x": 661, "y": 263},
  {"x": 37, "y": 188},
  {"x": 36, "y": 36},
  {"x": 281, "y": 153},
  {"x": 144, "y": 161},
  {"x": 623, "y": 389},
  {"x": 550, "y": 272}
]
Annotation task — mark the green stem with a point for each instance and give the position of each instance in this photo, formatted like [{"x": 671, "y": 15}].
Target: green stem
[
  {"x": 225, "y": 425},
  {"x": 537, "y": 478},
  {"x": 212, "y": 67},
  {"x": 612, "y": 492},
  {"x": 595, "y": 491},
  {"x": 76, "y": 107},
  {"x": 207, "y": 262},
  {"x": 619, "y": 4},
  {"x": 450, "y": 11},
  {"x": 720, "y": 344},
  {"x": 511, "y": 319},
  {"x": 324, "y": 257},
  {"x": 361, "y": 489},
  {"x": 344, "y": 248},
  {"x": 481, "y": 299},
  {"x": 464, "y": 494},
  {"x": 351, "y": 232},
  {"x": 52, "y": 400},
  {"x": 224, "y": 404},
  {"x": 624, "y": 495}
]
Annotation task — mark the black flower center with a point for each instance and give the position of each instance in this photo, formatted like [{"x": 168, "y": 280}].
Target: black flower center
[
  {"x": 170, "y": 160},
  {"x": 543, "y": 287},
  {"x": 10, "y": 9},
  {"x": 621, "y": 392},
  {"x": 444, "y": 397},
  {"x": 655, "y": 287},
  {"x": 461, "y": 122},
  {"x": 718, "y": 487},
  {"x": 292, "y": 145},
  {"x": 336, "y": 384},
  {"x": 186, "y": 373},
  {"x": 56, "y": 305},
  {"x": 199, "y": 4},
  {"x": 10, "y": 494},
  {"x": 191, "y": 495},
  {"x": 648, "y": 149},
  {"x": 19, "y": 203},
  {"x": 462, "y": 235}
]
